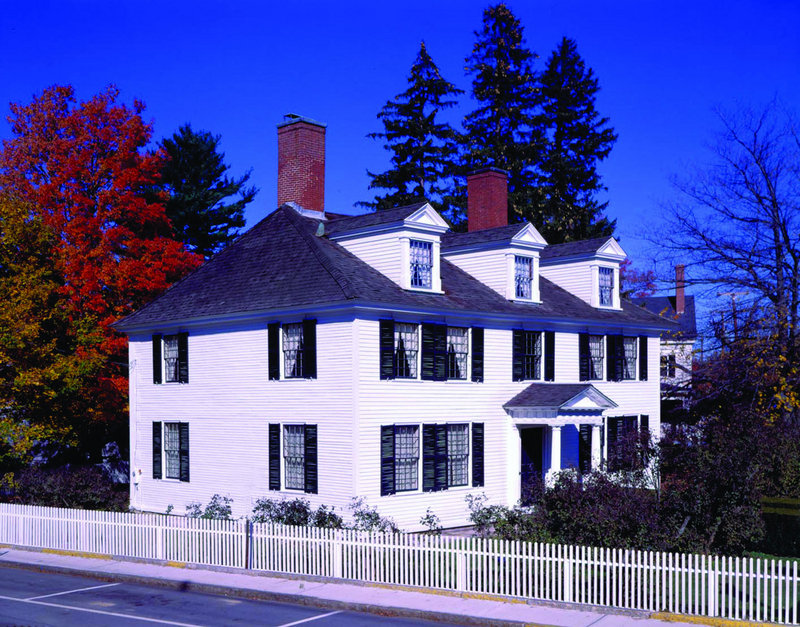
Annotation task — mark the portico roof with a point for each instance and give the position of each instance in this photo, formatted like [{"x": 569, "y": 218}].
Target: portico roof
[{"x": 561, "y": 396}]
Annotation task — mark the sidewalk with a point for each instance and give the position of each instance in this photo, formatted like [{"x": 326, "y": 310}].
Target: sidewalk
[{"x": 430, "y": 605}]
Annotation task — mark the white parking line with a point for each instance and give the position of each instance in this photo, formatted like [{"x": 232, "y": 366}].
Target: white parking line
[
  {"x": 102, "y": 612},
  {"x": 55, "y": 594},
  {"x": 308, "y": 620}
]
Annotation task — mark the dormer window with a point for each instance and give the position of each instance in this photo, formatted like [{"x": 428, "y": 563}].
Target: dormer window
[
  {"x": 606, "y": 287},
  {"x": 421, "y": 258},
  {"x": 523, "y": 277}
]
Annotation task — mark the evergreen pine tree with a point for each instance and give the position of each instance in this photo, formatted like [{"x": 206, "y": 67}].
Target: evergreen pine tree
[
  {"x": 504, "y": 131},
  {"x": 194, "y": 177},
  {"x": 422, "y": 146},
  {"x": 577, "y": 139}
]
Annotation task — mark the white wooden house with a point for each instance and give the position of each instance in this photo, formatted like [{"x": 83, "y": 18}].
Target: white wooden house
[{"x": 384, "y": 356}]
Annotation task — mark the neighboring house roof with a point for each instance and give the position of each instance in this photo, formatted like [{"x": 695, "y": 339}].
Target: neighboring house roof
[
  {"x": 664, "y": 306},
  {"x": 568, "y": 249},
  {"x": 556, "y": 395},
  {"x": 283, "y": 263}
]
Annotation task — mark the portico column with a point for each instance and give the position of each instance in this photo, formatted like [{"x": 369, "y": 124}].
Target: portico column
[
  {"x": 555, "y": 453},
  {"x": 596, "y": 452}
]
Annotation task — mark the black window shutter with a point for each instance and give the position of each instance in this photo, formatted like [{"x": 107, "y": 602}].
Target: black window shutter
[
  {"x": 387, "y": 350},
  {"x": 517, "y": 349},
  {"x": 310, "y": 349},
  {"x": 642, "y": 358},
  {"x": 311, "y": 467},
  {"x": 619, "y": 360},
  {"x": 613, "y": 432},
  {"x": 585, "y": 449},
  {"x": 387, "y": 460},
  {"x": 183, "y": 445},
  {"x": 644, "y": 424},
  {"x": 477, "y": 353},
  {"x": 428, "y": 458},
  {"x": 183, "y": 357},
  {"x": 156, "y": 450},
  {"x": 584, "y": 358},
  {"x": 440, "y": 352},
  {"x": 157, "y": 358},
  {"x": 428, "y": 352},
  {"x": 274, "y": 457},
  {"x": 274, "y": 354},
  {"x": 611, "y": 358},
  {"x": 440, "y": 479},
  {"x": 477, "y": 454},
  {"x": 549, "y": 356}
]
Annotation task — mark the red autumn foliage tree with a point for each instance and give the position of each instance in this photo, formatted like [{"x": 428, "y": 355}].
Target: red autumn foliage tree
[{"x": 82, "y": 169}]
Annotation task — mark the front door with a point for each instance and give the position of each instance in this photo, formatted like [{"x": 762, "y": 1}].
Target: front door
[{"x": 532, "y": 441}]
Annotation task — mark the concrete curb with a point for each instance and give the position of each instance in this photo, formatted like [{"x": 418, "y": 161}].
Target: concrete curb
[{"x": 280, "y": 597}]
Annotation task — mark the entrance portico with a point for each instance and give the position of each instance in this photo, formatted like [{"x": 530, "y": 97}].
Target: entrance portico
[{"x": 552, "y": 422}]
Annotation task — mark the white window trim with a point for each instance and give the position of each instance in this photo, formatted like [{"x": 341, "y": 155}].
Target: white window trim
[
  {"x": 405, "y": 259},
  {"x": 282, "y": 473},
  {"x": 468, "y": 376},
  {"x": 164, "y": 477},
  {"x": 511, "y": 286},
  {"x": 604, "y": 366},
  {"x": 418, "y": 364},
  {"x": 615, "y": 302},
  {"x": 164, "y": 368}
]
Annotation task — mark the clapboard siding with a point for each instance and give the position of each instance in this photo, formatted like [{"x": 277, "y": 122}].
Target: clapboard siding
[
  {"x": 488, "y": 266},
  {"x": 383, "y": 252},
  {"x": 575, "y": 277},
  {"x": 228, "y": 404}
]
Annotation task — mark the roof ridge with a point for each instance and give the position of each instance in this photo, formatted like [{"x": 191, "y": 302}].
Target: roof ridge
[{"x": 323, "y": 258}]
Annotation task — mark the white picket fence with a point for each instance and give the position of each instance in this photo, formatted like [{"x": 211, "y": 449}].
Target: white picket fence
[{"x": 735, "y": 588}]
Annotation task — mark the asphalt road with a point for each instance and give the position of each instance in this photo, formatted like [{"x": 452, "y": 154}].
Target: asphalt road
[{"x": 33, "y": 598}]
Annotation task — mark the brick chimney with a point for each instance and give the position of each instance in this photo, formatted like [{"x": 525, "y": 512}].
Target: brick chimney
[
  {"x": 680, "y": 297},
  {"x": 301, "y": 162},
  {"x": 487, "y": 199}
]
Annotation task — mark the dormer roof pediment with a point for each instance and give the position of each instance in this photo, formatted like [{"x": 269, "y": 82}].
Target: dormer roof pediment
[
  {"x": 427, "y": 218},
  {"x": 529, "y": 236},
  {"x": 612, "y": 250}
]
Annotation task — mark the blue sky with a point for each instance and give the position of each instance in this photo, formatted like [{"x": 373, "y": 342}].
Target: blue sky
[{"x": 234, "y": 68}]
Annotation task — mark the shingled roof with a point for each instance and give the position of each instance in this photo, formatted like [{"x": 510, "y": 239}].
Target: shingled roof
[
  {"x": 486, "y": 236},
  {"x": 581, "y": 247},
  {"x": 283, "y": 263},
  {"x": 664, "y": 306}
]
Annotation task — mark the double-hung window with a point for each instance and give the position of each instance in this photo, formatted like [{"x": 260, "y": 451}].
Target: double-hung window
[
  {"x": 523, "y": 277},
  {"x": 457, "y": 455},
  {"x": 606, "y": 286},
  {"x": 532, "y": 360},
  {"x": 630, "y": 346},
  {"x": 294, "y": 456},
  {"x": 668, "y": 365},
  {"x": 171, "y": 358},
  {"x": 172, "y": 449},
  {"x": 406, "y": 458},
  {"x": 171, "y": 372},
  {"x": 457, "y": 352},
  {"x": 406, "y": 348},
  {"x": 596, "y": 356},
  {"x": 293, "y": 351},
  {"x": 421, "y": 260}
]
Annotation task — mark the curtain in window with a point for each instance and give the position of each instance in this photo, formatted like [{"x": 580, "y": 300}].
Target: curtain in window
[
  {"x": 406, "y": 347},
  {"x": 630, "y": 346},
  {"x": 293, "y": 350},
  {"x": 456, "y": 353},
  {"x": 421, "y": 264},
  {"x": 523, "y": 276},
  {"x": 596, "y": 356}
]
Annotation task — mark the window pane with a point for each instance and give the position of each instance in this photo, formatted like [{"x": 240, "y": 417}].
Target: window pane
[
  {"x": 606, "y": 285},
  {"x": 406, "y": 345},
  {"x": 172, "y": 450},
  {"x": 631, "y": 347},
  {"x": 596, "y": 353},
  {"x": 457, "y": 353},
  {"x": 457, "y": 455},
  {"x": 171, "y": 358},
  {"x": 293, "y": 350},
  {"x": 532, "y": 359},
  {"x": 406, "y": 458},
  {"x": 421, "y": 264},
  {"x": 294, "y": 456},
  {"x": 523, "y": 276}
]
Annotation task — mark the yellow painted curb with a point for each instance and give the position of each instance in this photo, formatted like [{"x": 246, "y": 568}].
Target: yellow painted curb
[
  {"x": 175, "y": 564},
  {"x": 450, "y": 593},
  {"x": 97, "y": 556},
  {"x": 704, "y": 620}
]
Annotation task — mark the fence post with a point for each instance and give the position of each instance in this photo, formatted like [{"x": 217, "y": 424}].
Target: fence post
[
  {"x": 712, "y": 587},
  {"x": 461, "y": 571},
  {"x": 248, "y": 544},
  {"x": 338, "y": 550},
  {"x": 567, "y": 573},
  {"x": 160, "y": 540}
]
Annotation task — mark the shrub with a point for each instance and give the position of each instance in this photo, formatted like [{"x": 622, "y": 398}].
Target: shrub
[
  {"x": 296, "y": 512},
  {"x": 431, "y": 522},
  {"x": 366, "y": 518},
  {"x": 83, "y": 487},
  {"x": 218, "y": 508}
]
